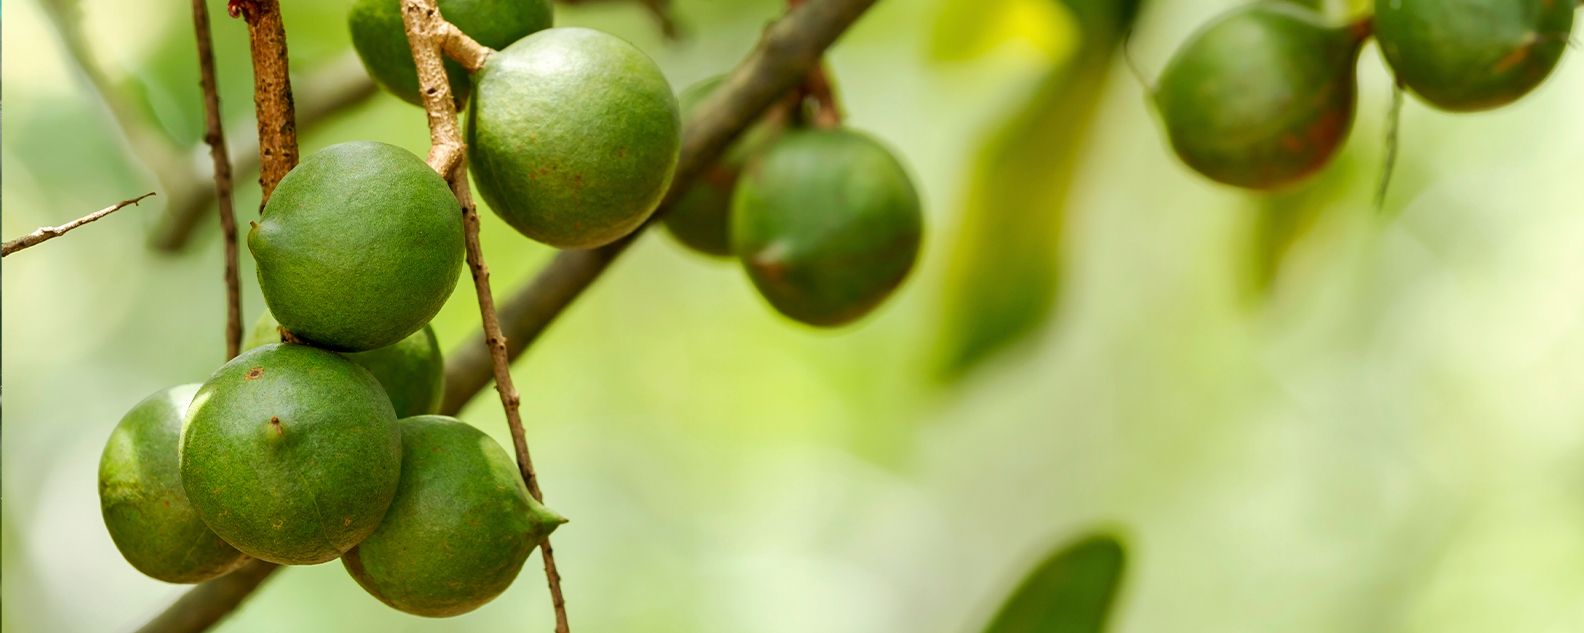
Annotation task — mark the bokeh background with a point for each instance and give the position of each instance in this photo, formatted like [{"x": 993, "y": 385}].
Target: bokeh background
[{"x": 1299, "y": 413}]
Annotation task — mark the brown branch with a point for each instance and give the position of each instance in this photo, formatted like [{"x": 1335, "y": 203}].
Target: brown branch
[
  {"x": 48, "y": 233},
  {"x": 272, "y": 95},
  {"x": 214, "y": 135},
  {"x": 328, "y": 90},
  {"x": 429, "y": 34},
  {"x": 789, "y": 50},
  {"x": 209, "y": 602}
]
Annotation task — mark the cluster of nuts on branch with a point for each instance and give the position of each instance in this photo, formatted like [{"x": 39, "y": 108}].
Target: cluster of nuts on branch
[
  {"x": 1264, "y": 96},
  {"x": 325, "y": 445}
]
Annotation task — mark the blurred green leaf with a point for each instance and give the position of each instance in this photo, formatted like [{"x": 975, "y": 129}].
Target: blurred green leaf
[
  {"x": 1004, "y": 275},
  {"x": 965, "y": 29},
  {"x": 1283, "y": 218},
  {"x": 1071, "y": 592}
]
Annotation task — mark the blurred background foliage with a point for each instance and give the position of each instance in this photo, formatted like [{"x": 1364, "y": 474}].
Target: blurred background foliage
[{"x": 1301, "y": 414}]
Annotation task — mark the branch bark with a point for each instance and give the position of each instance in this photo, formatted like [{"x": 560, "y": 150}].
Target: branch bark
[
  {"x": 48, "y": 233},
  {"x": 208, "y": 603},
  {"x": 429, "y": 35},
  {"x": 272, "y": 94},
  {"x": 789, "y": 50},
  {"x": 214, "y": 135}
]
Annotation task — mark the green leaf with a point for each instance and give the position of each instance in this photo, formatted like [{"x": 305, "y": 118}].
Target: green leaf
[
  {"x": 1283, "y": 218},
  {"x": 1004, "y": 275},
  {"x": 965, "y": 29},
  {"x": 1071, "y": 592}
]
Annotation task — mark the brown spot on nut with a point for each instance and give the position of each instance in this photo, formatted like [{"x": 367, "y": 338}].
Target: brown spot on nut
[{"x": 254, "y": 373}]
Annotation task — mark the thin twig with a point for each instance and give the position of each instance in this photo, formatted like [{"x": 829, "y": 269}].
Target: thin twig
[
  {"x": 48, "y": 233},
  {"x": 272, "y": 94},
  {"x": 214, "y": 135},
  {"x": 170, "y": 162},
  {"x": 788, "y": 51},
  {"x": 429, "y": 35}
]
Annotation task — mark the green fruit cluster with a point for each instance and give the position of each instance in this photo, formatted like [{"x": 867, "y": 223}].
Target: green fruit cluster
[
  {"x": 1264, "y": 95},
  {"x": 293, "y": 452},
  {"x": 826, "y": 222},
  {"x": 319, "y": 441},
  {"x": 294, "y": 455}
]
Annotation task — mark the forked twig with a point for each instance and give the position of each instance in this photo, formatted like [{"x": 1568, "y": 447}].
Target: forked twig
[
  {"x": 45, "y": 234},
  {"x": 214, "y": 135},
  {"x": 429, "y": 35}
]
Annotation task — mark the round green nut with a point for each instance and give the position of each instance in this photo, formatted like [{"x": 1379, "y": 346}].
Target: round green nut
[
  {"x": 412, "y": 371},
  {"x": 1470, "y": 55},
  {"x": 380, "y": 38},
  {"x": 460, "y": 528},
  {"x": 141, "y": 496},
  {"x": 572, "y": 136},
  {"x": 827, "y": 224},
  {"x": 701, "y": 217},
  {"x": 291, "y": 454},
  {"x": 359, "y": 246},
  {"x": 1263, "y": 96}
]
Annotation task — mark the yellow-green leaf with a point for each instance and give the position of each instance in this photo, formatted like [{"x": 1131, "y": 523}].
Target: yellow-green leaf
[
  {"x": 1071, "y": 592},
  {"x": 1004, "y": 275}
]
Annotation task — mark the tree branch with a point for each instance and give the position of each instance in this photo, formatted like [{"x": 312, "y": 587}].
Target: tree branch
[
  {"x": 272, "y": 95},
  {"x": 206, "y": 604},
  {"x": 788, "y": 52},
  {"x": 48, "y": 233},
  {"x": 214, "y": 135},
  {"x": 429, "y": 34}
]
